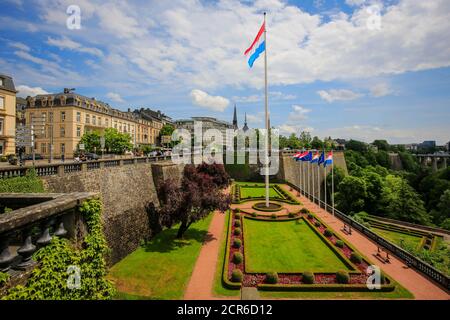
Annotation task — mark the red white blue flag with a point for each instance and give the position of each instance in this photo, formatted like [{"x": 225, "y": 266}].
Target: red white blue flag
[{"x": 258, "y": 46}]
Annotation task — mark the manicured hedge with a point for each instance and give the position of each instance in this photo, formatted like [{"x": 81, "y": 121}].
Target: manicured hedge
[
  {"x": 317, "y": 224},
  {"x": 272, "y": 277},
  {"x": 328, "y": 233},
  {"x": 355, "y": 258},
  {"x": 237, "y": 243},
  {"x": 339, "y": 243},
  {"x": 322, "y": 287},
  {"x": 342, "y": 277},
  {"x": 236, "y": 275},
  {"x": 237, "y": 223},
  {"x": 237, "y": 258},
  {"x": 308, "y": 277},
  {"x": 237, "y": 231},
  {"x": 273, "y": 216}
]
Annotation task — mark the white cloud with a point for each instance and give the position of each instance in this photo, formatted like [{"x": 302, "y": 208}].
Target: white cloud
[
  {"x": 66, "y": 43},
  {"x": 380, "y": 90},
  {"x": 255, "y": 118},
  {"x": 353, "y": 3},
  {"x": 248, "y": 99},
  {"x": 298, "y": 113},
  {"x": 338, "y": 95},
  {"x": 115, "y": 97},
  {"x": 19, "y": 45},
  {"x": 25, "y": 91},
  {"x": 203, "y": 99}
]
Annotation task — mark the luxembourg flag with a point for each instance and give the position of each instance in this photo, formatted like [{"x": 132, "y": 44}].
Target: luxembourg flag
[
  {"x": 258, "y": 46},
  {"x": 301, "y": 156},
  {"x": 315, "y": 158},
  {"x": 328, "y": 159}
]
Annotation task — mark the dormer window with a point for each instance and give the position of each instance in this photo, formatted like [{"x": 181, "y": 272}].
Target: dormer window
[
  {"x": 2, "y": 82},
  {"x": 44, "y": 102}
]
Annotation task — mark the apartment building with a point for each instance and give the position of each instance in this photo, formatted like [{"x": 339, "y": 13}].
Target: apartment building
[
  {"x": 7, "y": 115},
  {"x": 64, "y": 117}
]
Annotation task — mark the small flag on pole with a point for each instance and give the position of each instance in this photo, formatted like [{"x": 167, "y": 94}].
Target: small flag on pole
[
  {"x": 258, "y": 46},
  {"x": 315, "y": 158},
  {"x": 328, "y": 159}
]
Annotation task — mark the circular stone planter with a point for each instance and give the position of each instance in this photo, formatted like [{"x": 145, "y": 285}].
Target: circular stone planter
[{"x": 261, "y": 206}]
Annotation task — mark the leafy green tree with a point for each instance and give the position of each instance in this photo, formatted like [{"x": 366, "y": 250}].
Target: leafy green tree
[
  {"x": 91, "y": 141},
  {"x": 166, "y": 130},
  {"x": 356, "y": 145},
  {"x": 381, "y": 145},
  {"x": 305, "y": 140},
  {"x": 374, "y": 186},
  {"x": 382, "y": 158},
  {"x": 351, "y": 195},
  {"x": 329, "y": 144},
  {"x": 409, "y": 163},
  {"x": 442, "y": 212},
  {"x": 339, "y": 175},
  {"x": 316, "y": 143},
  {"x": 117, "y": 142},
  {"x": 401, "y": 202},
  {"x": 293, "y": 142}
]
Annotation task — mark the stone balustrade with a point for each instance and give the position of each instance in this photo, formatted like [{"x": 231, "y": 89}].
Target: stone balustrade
[{"x": 33, "y": 222}]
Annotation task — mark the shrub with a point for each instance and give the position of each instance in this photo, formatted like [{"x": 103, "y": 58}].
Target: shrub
[
  {"x": 237, "y": 223},
  {"x": 355, "y": 258},
  {"x": 304, "y": 210},
  {"x": 236, "y": 275},
  {"x": 237, "y": 243},
  {"x": 272, "y": 277},
  {"x": 339, "y": 243},
  {"x": 237, "y": 215},
  {"x": 317, "y": 224},
  {"x": 342, "y": 277},
  {"x": 328, "y": 233},
  {"x": 237, "y": 210},
  {"x": 237, "y": 258},
  {"x": 291, "y": 214},
  {"x": 310, "y": 215},
  {"x": 273, "y": 216},
  {"x": 237, "y": 231},
  {"x": 26, "y": 184},
  {"x": 4, "y": 277},
  {"x": 308, "y": 277},
  {"x": 254, "y": 214}
]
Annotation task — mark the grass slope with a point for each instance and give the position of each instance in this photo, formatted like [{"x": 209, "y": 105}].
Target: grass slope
[
  {"x": 160, "y": 269},
  {"x": 398, "y": 237},
  {"x": 289, "y": 246}
]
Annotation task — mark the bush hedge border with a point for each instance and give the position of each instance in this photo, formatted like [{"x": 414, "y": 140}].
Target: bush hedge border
[
  {"x": 225, "y": 281},
  {"x": 324, "y": 287}
]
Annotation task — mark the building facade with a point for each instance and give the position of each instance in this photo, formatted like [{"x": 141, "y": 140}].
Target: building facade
[
  {"x": 7, "y": 115},
  {"x": 60, "y": 120}
]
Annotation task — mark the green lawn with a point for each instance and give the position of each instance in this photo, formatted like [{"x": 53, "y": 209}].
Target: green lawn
[
  {"x": 259, "y": 191},
  {"x": 160, "y": 269},
  {"x": 288, "y": 246},
  {"x": 398, "y": 237}
]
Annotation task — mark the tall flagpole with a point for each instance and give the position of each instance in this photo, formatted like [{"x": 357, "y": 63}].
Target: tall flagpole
[
  {"x": 318, "y": 182},
  {"x": 313, "y": 176},
  {"x": 267, "y": 113},
  {"x": 332, "y": 181}
]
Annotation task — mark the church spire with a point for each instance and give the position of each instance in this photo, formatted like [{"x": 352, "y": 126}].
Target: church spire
[
  {"x": 245, "y": 128},
  {"x": 235, "y": 122}
]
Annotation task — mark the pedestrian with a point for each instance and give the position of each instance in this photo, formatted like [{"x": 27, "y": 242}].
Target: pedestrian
[{"x": 62, "y": 157}]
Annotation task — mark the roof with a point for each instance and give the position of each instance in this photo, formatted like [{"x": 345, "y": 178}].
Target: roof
[{"x": 8, "y": 83}]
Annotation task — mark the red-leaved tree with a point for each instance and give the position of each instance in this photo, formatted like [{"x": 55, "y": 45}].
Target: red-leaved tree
[{"x": 200, "y": 192}]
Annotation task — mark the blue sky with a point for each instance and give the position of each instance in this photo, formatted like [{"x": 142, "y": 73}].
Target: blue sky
[{"x": 363, "y": 69}]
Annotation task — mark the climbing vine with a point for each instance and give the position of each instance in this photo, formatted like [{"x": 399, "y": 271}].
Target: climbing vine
[{"x": 49, "y": 281}]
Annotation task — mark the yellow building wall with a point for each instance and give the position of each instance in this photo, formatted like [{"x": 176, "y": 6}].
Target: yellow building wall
[{"x": 8, "y": 114}]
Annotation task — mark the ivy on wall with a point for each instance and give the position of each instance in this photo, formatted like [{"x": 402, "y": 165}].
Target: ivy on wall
[{"x": 49, "y": 281}]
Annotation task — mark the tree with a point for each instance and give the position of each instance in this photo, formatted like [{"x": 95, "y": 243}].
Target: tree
[
  {"x": 199, "y": 193},
  {"x": 166, "y": 130},
  {"x": 305, "y": 139},
  {"x": 316, "y": 143},
  {"x": 91, "y": 141},
  {"x": 402, "y": 202},
  {"x": 374, "y": 186},
  {"x": 442, "y": 212},
  {"x": 293, "y": 141},
  {"x": 356, "y": 145},
  {"x": 351, "y": 195},
  {"x": 381, "y": 145},
  {"x": 382, "y": 158},
  {"x": 117, "y": 142}
]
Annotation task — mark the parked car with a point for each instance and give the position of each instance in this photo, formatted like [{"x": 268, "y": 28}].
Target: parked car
[{"x": 91, "y": 156}]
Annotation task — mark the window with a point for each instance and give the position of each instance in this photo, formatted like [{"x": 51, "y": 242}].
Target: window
[
  {"x": 78, "y": 116},
  {"x": 1, "y": 125},
  {"x": 2, "y": 102},
  {"x": 94, "y": 120},
  {"x": 44, "y": 117},
  {"x": 88, "y": 119},
  {"x": 2, "y": 147},
  {"x": 63, "y": 148},
  {"x": 43, "y": 148},
  {"x": 78, "y": 131},
  {"x": 1, "y": 82},
  {"x": 50, "y": 116},
  {"x": 99, "y": 121},
  {"x": 62, "y": 132},
  {"x": 106, "y": 122},
  {"x": 63, "y": 116}
]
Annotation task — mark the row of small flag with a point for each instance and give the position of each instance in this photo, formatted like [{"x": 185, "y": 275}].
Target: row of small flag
[{"x": 317, "y": 157}]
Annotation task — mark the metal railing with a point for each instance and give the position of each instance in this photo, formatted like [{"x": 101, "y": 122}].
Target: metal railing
[
  {"x": 410, "y": 260},
  {"x": 43, "y": 170}
]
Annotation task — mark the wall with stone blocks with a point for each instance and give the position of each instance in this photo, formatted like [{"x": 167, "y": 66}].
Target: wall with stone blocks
[
  {"x": 127, "y": 193},
  {"x": 297, "y": 172}
]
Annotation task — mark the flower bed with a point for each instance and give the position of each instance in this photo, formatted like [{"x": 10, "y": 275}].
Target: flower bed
[{"x": 323, "y": 281}]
